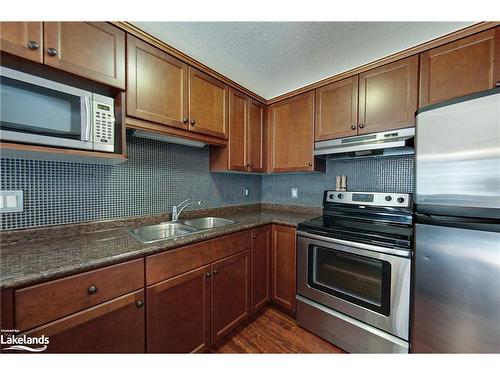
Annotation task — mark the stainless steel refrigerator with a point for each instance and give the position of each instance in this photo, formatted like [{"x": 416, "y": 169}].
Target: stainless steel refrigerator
[{"x": 456, "y": 304}]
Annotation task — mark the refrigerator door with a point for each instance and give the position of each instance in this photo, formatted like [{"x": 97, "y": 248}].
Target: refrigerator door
[
  {"x": 458, "y": 156},
  {"x": 456, "y": 305}
]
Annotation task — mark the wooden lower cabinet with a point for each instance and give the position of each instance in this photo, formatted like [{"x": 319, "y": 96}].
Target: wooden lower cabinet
[
  {"x": 178, "y": 313},
  {"x": 230, "y": 293},
  {"x": 116, "y": 326},
  {"x": 283, "y": 267},
  {"x": 261, "y": 266}
]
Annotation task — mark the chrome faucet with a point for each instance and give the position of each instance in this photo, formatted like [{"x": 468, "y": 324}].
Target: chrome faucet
[{"x": 176, "y": 210}]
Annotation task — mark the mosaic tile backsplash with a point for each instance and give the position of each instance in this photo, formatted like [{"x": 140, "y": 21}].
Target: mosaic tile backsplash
[
  {"x": 159, "y": 175},
  {"x": 156, "y": 176},
  {"x": 384, "y": 174}
]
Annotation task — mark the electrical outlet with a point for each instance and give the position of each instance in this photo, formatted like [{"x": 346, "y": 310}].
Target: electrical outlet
[
  {"x": 11, "y": 201},
  {"x": 294, "y": 193},
  {"x": 247, "y": 192}
]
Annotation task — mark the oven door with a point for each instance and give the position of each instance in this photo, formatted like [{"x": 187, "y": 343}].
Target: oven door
[
  {"x": 369, "y": 283},
  {"x": 39, "y": 111}
]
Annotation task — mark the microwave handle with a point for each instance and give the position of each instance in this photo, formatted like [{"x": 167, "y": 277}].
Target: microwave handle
[{"x": 85, "y": 117}]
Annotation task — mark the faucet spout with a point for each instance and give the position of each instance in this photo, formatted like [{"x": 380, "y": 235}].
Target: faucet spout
[{"x": 176, "y": 210}]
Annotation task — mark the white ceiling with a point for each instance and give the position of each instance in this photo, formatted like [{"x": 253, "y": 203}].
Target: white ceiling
[{"x": 272, "y": 58}]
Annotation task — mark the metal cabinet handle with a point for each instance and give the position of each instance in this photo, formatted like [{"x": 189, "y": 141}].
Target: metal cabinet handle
[
  {"x": 497, "y": 84},
  {"x": 254, "y": 237},
  {"x": 52, "y": 51},
  {"x": 193, "y": 122},
  {"x": 185, "y": 120},
  {"x": 33, "y": 45},
  {"x": 310, "y": 164},
  {"x": 207, "y": 274},
  {"x": 361, "y": 126},
  {"x": 139, "y": 303},
  {"x": 92, "y": 289},
  {"x": 353, "y": 127},
  {"x": 215, "y": 272}
]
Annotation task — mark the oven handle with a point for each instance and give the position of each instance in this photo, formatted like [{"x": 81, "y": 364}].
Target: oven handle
[
  {"x": 85, "y": 118},
  {"x": 379, "y": 249}
]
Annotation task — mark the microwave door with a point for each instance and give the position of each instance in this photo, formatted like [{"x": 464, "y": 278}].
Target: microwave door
[{"x": 39, "y": 111}]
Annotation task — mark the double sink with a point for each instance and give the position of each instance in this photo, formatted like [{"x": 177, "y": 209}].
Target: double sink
[{"x": 172, "y": 229}]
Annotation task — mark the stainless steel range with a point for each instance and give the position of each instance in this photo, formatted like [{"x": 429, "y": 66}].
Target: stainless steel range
[{"x": 353, "y": 271}]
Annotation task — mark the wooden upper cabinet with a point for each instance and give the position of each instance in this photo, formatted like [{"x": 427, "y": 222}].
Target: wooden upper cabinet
[
  {"x": 208, "y": 104},
  {"x": 261, "y": 266},
  {"x": 230, "y": 293},
  {"x": 94, "y": 50},
  {"x": 256, "y": 138},
  {"x": 24, "y": 39},
  {"x": 116, "y": 326},
  {"x": 157, "y": 85},
  {"x": 178, "y": 313},
  {"x": 284, "y": 265},
  {"x": 291, "y": 133},
  {"x": 463, "y": 67},
  {"x": 388, "y": 96},
  {"x": 337, "y": 110},
  {"x": 238, "y": 131}
]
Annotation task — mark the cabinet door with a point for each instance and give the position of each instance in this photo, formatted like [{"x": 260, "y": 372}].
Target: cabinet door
[
  {"x": 388, "y": 96},
  {"x": 238, "y": 136},
  {"x": 463, "y": 67},
  {"x": 230, "y": 293},
  {"x": 337, "y": 110},
  {"x": 95, "y": 50},
  {"x": 157, "y": 85},
  {"x": 283, "y": 267},
  {"x": 178, "y": 314},
  {"x": 256, "y": 138},
  {"x": 22, "y": 39},
  {"x": 116, "y": 326},
  {"x": 292, "y": 134},
  {"x": 261, "y": 266},
  {"x": 208, "y": 104}
]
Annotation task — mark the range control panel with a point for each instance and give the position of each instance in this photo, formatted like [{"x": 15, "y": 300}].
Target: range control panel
[
  {"x": 368, "y": 199},
  {"x": 104, "y": 123}
]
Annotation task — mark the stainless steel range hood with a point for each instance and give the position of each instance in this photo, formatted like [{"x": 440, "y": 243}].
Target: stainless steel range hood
[{"x": 393, "y": 142}]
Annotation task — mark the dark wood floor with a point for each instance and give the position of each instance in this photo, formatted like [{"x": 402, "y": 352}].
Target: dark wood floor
[{"x": 274, "y": 332}]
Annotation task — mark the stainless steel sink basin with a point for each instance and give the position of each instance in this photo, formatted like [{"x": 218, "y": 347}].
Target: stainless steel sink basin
[
  {"x": 171, "y": 229},
  {"x": 152, "y": 233},
  {"x": 202, "y": 223}
]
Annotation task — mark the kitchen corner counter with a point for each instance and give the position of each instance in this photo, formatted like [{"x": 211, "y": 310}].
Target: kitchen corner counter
[{"x": 33, "y": 260}]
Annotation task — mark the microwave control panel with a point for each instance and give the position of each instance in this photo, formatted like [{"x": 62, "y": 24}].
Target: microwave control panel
[{"x": 104, "y": 125}]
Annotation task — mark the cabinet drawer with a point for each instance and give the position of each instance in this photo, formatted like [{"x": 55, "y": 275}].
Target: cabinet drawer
[
  {"x": 171, "y": 263},
  {"x": 45, "y": 302}
]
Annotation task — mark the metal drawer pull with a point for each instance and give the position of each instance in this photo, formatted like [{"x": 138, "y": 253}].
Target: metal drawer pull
[
  {"x": 52, "y": 51},
  {"x": 33, "y": 45},
  {"x": 92, "y": 289},
  {"x": 139, "y": 303}
]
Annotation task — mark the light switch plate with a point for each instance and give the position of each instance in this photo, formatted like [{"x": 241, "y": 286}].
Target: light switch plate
[
  {"x": 11, "y": 201},
  {"x": 294, "y": 193}
]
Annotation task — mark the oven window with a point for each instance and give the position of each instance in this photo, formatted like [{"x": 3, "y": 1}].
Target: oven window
[
  {"x": 354, "y": 278},
  {"x": 38, "y": 110}
]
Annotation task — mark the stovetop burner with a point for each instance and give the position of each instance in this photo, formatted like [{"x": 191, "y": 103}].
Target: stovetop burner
[{"x": 383, "y": 219}]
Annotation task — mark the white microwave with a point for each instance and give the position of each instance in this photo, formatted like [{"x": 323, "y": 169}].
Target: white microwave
[{"x": 38, "y": 111}]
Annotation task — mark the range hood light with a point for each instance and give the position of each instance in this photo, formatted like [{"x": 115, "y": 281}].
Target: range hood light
[{"x": 167, "y": 138}]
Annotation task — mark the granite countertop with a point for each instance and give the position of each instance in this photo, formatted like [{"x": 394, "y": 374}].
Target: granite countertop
[{"x": 28, "y": 260}]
